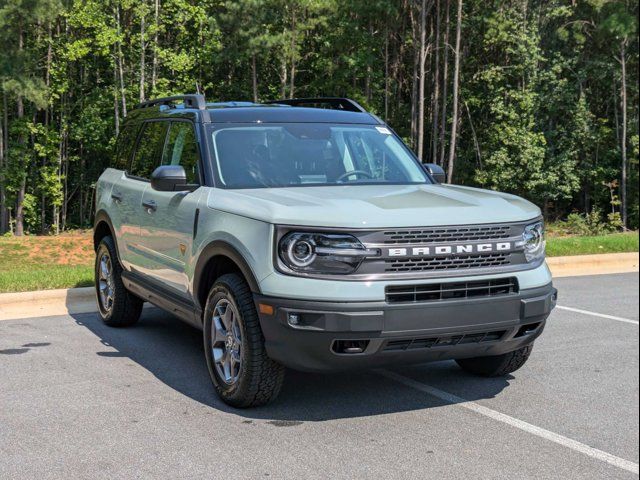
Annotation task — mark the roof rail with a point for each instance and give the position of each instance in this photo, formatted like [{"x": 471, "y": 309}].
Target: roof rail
[
  {"x": 337, "y": 103},
  {"x": 192, "y": 101}
]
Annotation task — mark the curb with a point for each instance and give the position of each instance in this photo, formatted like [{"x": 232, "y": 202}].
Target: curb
[
  {"x": 46, "y": 303},
  {"x": 580, "y": 265}
]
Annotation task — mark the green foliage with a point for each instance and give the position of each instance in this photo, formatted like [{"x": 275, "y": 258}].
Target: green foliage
[
  {"x": 592, "y": 223},
  {"x": 540, "y": 110}
]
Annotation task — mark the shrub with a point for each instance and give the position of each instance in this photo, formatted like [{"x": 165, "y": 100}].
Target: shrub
[{"x": 592, "y": 223}]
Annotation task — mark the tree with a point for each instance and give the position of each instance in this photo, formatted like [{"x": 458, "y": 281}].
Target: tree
[
  {"x": 546, "y": 92},
  {"x": 456, "y": 80}
]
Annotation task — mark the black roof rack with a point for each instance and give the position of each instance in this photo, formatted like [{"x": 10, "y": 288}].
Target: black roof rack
[
  {"x": 191, "y": 101},
  {"x": 337, "y": 103}
]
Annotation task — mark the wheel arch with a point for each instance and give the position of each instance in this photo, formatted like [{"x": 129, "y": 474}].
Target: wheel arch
[
  {"x": 102, "y": 227},
  {"x": 216, "y": 259}
]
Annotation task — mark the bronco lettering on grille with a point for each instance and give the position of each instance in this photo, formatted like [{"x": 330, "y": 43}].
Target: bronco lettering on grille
[{"x": 439, "y": 250}]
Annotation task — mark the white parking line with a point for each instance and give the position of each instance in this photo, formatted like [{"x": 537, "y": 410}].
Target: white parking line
[
  {"x": 601, "y": 315},
  {"x": 514, "y": 422}
]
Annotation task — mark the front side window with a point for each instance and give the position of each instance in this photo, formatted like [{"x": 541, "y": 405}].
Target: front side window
[
  {"x": 149, "y": 149},
  {"x": 286, "y": 155},
  {"x": 182, "y": 149}
]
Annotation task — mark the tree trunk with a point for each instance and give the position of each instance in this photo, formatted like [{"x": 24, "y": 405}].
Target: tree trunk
[
  {"x": 19, "y": 231},
  {"x": 386, "y": 75},
  {"x": 120, "y": 65},
  {"x": 292, "y": 84},
  {"x": 414, "y": 82},
  {"x": 283, "y": 77},
  {"x": 154, "y": 61},
  {"x": 254, "y": 78},
  {"x": 47, "y": 114},
  {"x": 116, "y": 106},
  {"x": 3, "y": 195},
  {"x": 423, "y": 58},
  {"x": 456, "y": 79},
  {"x": 142, "y": 58},
  {"x": 65, "y": 153},
  {"x": 435, "y": 104},
  {"x": 623, "y": 134},
  {"x": 445, "y": 84}
]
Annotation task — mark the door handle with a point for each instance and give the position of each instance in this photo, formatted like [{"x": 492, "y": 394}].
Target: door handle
[
  {"x": 116, "y": 196},
  {"x": 150, "y": 205}
]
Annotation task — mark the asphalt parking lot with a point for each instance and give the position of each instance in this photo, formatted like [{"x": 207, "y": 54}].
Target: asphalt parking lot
[{"x": 80, "y": 400}]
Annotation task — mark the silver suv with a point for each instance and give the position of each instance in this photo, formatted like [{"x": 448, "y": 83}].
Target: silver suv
[{"x": 303, "y": 233}]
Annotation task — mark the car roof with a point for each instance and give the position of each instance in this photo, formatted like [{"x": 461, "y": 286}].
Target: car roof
[
  {"x": 247, "y": 112},
  {"x": 287, "y": 114}
]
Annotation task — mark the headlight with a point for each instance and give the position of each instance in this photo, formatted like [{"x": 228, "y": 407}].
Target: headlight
[
  {"x": 322, "y": 252},
  {"x": 533, "y": 241}
]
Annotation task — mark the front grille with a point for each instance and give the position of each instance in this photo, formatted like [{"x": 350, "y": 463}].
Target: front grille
[
  {"x": 447, "y": 234},
  {"x": 457, "y": 262},
  {"x": 443, "y": 341},
  {"x": 451, "y": 291}
]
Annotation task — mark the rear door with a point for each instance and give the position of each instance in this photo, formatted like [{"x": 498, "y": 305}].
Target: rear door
[
  {"x": 167, "y": 226},
  {"x": 125, "y": 197}
]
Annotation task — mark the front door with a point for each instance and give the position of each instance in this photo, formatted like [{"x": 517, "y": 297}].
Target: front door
[{"x": 167, "y": 225}]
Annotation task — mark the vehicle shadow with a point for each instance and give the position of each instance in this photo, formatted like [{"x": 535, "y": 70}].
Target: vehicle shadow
[{"x": 173, "y": 352}]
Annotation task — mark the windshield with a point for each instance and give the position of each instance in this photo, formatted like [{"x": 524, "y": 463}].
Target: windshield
[{"x": 286, "y": 155}]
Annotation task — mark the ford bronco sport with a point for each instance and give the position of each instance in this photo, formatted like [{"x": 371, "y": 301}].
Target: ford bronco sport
[{"x": 303, "y": 233}]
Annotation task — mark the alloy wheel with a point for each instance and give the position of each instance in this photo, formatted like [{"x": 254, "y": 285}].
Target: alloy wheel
[
  {"x": 226, "y": 341},
  {"x": 106, "y": 287}
]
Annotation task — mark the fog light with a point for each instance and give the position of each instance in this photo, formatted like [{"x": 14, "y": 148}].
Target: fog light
[{"x": 293, "y": 319}]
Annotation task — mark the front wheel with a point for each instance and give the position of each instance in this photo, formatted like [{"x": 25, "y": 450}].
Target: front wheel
[
  {"x": 242, "y": 373},
  {"x": 498, "y": 365}
]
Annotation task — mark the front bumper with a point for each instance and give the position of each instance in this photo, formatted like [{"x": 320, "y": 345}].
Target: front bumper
[{"x": 400, "y": 333}]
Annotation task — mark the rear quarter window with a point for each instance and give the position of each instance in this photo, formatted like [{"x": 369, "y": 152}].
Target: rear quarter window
[{"x": 124, "y": 147}]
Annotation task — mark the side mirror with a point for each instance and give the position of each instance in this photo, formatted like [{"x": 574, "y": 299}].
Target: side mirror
[
  {"x": 171, "y": 178},
  {"x": 435, "y": 171}
]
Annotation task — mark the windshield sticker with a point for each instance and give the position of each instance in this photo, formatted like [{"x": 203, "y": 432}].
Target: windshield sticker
[{"x": 384, "y": 130}]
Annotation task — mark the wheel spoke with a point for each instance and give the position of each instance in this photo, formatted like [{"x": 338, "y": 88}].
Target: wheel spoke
[
  {"x": 235, "y": 331},
  {"x": 227, "y": 317},
  {"x": 226, "y": 365},
  {"x": 233, "y": 363},
  {"x": 104, "y": 271},
  {"x": 218, "y": 354},
  {"x": 218, "y": 332},
  {"x": 226, "y": 341}
]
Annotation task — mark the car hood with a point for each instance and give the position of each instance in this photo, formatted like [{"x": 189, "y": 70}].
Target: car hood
[{"x": 374, "y": 206}]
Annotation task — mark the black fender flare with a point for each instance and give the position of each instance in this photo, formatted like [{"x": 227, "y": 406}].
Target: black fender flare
[
  {"x": 103, "y": 217},
  {"x": 222, "y": 248}
]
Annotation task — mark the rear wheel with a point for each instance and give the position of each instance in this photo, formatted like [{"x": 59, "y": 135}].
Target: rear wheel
[
  {"x": 117, "y": 306},
  {"x": 242, "y": 373},
  {"x": 498, "y": 365}
]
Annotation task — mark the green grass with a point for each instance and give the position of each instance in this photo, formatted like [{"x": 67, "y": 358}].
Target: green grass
[
  {"x": 614, "y": 243},
  {"x": 25, "y": 279},
  {"x": 46, "y": 262}
]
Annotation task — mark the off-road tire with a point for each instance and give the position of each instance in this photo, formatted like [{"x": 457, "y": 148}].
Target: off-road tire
[
  {"x": 496, "y": 366},
  {"x": 126, "y": 308},
  {"x": 260, "y": 378}
]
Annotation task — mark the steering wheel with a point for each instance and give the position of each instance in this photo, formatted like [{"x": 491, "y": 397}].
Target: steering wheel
[{"x": 354, "y": 172}]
